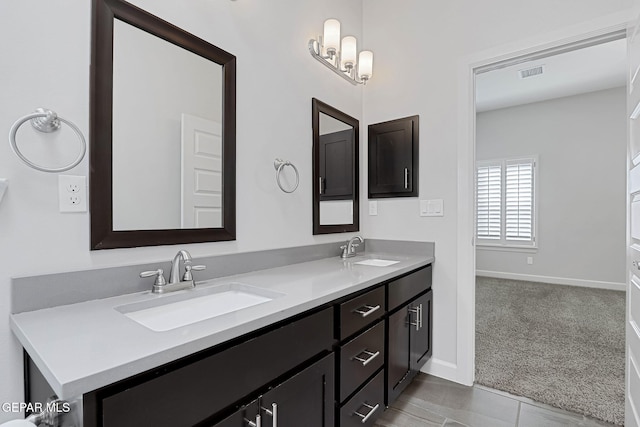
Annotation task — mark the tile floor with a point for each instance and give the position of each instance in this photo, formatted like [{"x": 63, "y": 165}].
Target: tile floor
[{"x": 430, "y": 401}]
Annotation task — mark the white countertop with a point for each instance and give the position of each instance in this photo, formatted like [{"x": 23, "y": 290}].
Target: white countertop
[{"x": 85, "y": 346}]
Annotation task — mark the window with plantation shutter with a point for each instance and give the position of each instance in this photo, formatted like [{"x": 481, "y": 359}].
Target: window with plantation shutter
[
  {"x": 505, "y": 202},
  {"x": 489, "y": 200}
]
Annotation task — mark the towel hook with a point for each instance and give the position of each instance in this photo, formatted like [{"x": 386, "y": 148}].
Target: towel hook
[
  {"x": 279, "y": 164},
  {"x": 46, "y": 121}
]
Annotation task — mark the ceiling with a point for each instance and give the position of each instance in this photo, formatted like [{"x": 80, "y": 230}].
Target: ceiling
[{"x": 585, "y": 70}]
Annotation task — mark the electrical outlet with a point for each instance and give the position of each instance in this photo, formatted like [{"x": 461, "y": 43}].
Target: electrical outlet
[
  {"x": 530, "y": 260},
  {"x": 72, "y": 187},
  {"x": 72, "y": 193}
]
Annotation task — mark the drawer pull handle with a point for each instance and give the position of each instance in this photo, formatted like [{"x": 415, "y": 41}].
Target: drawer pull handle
[
  {"x": 257, "y": 423},
  {"x": 366, "y": 310},
  {"x": 365, "y": 362},
  {"x": 273, "y": 413},
  {"x": 372, "y": 409}
]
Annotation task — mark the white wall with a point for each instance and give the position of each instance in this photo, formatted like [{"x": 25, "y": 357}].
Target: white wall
[
  {"x": 581, "y": 144},
  {"x": 45, "y": 48},
  {"x": 420, "y": 48}
]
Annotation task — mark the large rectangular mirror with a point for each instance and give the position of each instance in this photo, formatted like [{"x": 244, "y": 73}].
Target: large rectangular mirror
[
  {"x": 162, "y": 132},
  {"x": 335, "y": 170}
]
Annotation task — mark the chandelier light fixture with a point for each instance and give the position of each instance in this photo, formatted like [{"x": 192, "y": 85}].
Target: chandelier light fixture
[{"x": 343, "y": 57}]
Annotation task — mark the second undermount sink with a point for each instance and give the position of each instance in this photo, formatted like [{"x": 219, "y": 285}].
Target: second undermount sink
[
  {"x": 173, "y": 311},
  {"x": 377, "y": 262}
]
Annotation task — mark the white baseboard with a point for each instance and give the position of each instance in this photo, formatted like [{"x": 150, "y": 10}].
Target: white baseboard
[
  {"x": 554, "y": 280},
  {"x": 441, "y": 369}
]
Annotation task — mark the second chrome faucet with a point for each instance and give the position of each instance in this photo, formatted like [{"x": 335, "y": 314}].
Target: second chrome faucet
[
  {"x": 176, "y": 283},
  {"x": 349, "y": 250}
]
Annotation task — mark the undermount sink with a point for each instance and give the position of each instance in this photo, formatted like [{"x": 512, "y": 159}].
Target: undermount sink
[
  {"x": 169, "y": 312},
  {"x": 377, "y": 262}
]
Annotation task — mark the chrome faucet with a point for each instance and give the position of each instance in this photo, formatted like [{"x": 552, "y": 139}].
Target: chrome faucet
[
  {"x": 349, "y": 250},
  {"x": 161, "y": 286},
  {"x": 174, "y": 275}
]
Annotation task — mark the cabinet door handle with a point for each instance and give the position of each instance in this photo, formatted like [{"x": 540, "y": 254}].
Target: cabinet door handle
[
  {"x": 366, "y": 310},
  {"x": 273, "y": 413},
  {"x": 420, "y": 316},
  {"x": 406, "y": 178},
  {"x": 320, "y": 186},
  {"x": 415, "y": 310},
  {"x": 365, "y": 362},
  {"x": 366, "y": 417},
  {"x": 257, "y": 423}
]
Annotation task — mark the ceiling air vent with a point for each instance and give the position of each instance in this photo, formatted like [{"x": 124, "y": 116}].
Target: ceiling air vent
[{"x": 530, "y": 72}]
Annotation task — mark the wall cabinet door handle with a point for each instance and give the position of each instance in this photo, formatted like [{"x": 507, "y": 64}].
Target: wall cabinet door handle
[
  {"x": 273, "y": 413},
  {"x": 320, "y": 186},
  {"x": 366, "y": 310},
  {"x": 368, "y": 360},
  {"x": 406, "y": 178},
  {"x": 366, "y": 417}
]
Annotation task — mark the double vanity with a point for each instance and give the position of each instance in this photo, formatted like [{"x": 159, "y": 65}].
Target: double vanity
[{"x": 310, "y": 341}]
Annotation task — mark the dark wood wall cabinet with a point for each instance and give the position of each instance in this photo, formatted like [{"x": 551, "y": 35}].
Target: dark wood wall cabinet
[
  {"x": 393, "y": 158},
  {"x": 340, "y": 364}
]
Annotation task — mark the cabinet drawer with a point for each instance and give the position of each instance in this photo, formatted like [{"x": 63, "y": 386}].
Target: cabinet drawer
[
  {"x": 366, "y": 406},
  {"x": 187, "y": 395},
  {"x": 407, "y": 287},
  {"x": 361, "y": 311},
  {"x": 360, "y": 358}
]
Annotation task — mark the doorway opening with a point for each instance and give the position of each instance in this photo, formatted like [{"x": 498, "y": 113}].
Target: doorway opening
[{"x": 550, "y": 226}]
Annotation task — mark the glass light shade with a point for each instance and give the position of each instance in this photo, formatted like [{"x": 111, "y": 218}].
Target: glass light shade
[
  {"x": 365, "y": 64},
  {"x": 331, "y": 38},
  {"x": 348, "y": 52}
]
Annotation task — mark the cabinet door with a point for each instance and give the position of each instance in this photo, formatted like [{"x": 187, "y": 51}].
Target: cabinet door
[
  {"x": 243, "y": 417},
  {"x": 393, "y": 158},
  {"x": 398, "y": 350},
  {"x": 306, "y": 399},
  {"x": 420, "y": 334},
  {"x": 336, "y": 165}
]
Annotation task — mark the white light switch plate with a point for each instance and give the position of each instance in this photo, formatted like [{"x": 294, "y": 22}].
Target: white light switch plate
[
  {"x": 433, "y": 207},
  {"x": 72, "y": 193},
  {"x": 373, "y": 207}
]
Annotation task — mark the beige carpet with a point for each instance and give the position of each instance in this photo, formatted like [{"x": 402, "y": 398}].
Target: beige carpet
[{"x": 559, "y": 345}]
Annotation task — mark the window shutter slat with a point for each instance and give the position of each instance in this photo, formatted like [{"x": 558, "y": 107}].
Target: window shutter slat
[
  {"x": 489, "y": 202},
  {"x": 519, "y": 200}
]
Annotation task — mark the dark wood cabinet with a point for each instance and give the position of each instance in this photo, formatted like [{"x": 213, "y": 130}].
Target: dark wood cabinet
[
  {"x": 409, "y": 328},
  {"x": 393, "y": 158},
  {"x": 336, "y": 165},
  {"x": 338, "y": 365},
  {"x": 420, "y": 338},
  {"x": 410, "y": 340},
  {"x": 366, "y": 406},
  {"x": 192, "y": 390},
  {"x": 306, "y": 399}
]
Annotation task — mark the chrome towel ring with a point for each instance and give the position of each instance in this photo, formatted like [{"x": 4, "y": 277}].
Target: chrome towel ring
[
  {"x": 279, "y": 164},
  {"x": 46, "y": 121}
]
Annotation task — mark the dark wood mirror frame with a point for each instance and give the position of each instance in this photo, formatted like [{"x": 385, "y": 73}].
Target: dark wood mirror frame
[
  {"x": 100, "y": 179},
  {"x": 318, "y": 107}
]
